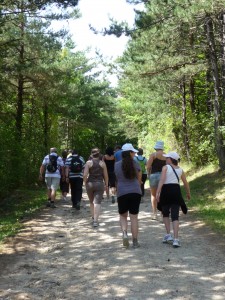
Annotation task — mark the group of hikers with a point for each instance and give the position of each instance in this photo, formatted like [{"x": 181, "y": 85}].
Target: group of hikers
[{"x": 121, "y": 173}]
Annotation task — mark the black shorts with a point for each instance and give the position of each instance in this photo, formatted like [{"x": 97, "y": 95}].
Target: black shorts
[
  {"x": 129, "y": 202},
  {"x": 112, "y": 180}
]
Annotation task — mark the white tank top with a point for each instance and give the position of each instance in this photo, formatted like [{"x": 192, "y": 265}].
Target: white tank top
[{"x": 171, "y": 177}]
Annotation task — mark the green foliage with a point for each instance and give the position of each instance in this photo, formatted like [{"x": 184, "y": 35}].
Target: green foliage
[
  {"x": 167, "y": 83},
  {"x": 207, "y": 196},
  {"x": 21, "y": 205},
  {"x": 50, "y": 94}
]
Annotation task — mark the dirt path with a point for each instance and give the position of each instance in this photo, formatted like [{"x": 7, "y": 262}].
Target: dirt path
[{"x": 59, "y": 255}]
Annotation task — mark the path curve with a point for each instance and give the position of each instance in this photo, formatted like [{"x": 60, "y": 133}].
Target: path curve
[{"x": 58, "y": 255}]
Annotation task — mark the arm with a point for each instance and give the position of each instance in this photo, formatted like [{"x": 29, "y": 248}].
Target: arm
[
  {"x": 67, "y": 173},
  {"x": 139, "y": 176},
  {"x": 105, "y": 174},
  {"x": 86, "y": 171},
  {"x": 41, "y": 172},
  {"x": 149, "y": 164},
  {"x": 161, "y": 182},
  {"x": 186, "y": 185}
]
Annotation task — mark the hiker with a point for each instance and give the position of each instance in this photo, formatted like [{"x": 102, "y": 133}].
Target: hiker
[
  {"x": 64, "y": 185},
  {"x": 109, "y": 160},
  {"x": 74, "y": 175},
  {"x": 154, "y": 168},
  {"x": 118, "y": 153},
  {"x": 128, "y": 175},
  {"x": 53, "y": 168},
  {"x": 96, "y": 181},
  {"x": 169, "y": 196},
  {"x": 142, "y": 162}
]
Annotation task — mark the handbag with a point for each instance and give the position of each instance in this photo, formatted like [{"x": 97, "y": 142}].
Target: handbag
[{"x": 182, "y": 203}]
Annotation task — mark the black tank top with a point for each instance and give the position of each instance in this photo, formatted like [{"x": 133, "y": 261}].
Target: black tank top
[
  {"x": 157, "y": 165},
  {"x": 95, "y": 172},
  {"x": 110, "y": 165}
]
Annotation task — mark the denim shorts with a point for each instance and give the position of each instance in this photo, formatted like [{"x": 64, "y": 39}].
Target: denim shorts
[{"x": 154, "y": 179}]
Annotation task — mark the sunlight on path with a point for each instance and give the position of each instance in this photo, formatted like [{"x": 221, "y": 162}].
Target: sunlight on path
[{"x": 59, "y": 255}]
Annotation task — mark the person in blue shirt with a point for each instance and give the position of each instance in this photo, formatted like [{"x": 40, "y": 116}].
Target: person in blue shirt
[
  {"x": 142, "y": 161},
  {"x": 118, "y": 153}
]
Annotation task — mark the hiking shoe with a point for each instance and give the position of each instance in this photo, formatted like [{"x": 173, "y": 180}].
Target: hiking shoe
[
  {"x": 113, "y": 199},
  {"x": 52, "y": 205},
  {"x": 48, "y": 204},
  {"x": 77, "y": 206},
  {"x": 125, "y": 239},
  {"x": 135, "y": 243},
  {"x": 168, "y": 239},
  {"x": 95, "y": 224},
  {"x": 176, "y": 243}
]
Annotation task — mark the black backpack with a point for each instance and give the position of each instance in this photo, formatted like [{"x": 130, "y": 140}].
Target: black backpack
[
  {"x": 76, "y": 164},
  {"x": 52, "y": 166}
]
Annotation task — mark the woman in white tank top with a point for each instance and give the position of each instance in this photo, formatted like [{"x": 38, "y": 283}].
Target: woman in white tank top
[{"x": 169, "y": 195}]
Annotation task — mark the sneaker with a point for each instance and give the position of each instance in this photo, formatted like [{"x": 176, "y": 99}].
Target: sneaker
[
  {"x": 113, "y": 199},
  {"x": 95, "y": 224},
  {"x": 53, "y": 205},
  {"x": 48, "y": 204},
  {"x": 168, "y": 239},
  {"x": 176, "y": 243},
  {"x": 154, "y": 216},
  {"x": 135, "y": 243},
  {"x": 125, "y": 239}
]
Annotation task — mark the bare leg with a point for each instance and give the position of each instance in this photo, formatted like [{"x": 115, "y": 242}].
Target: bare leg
[
  {"x": 153, "y": 200},
  {"x": 49, "y": 193},
  {"x": 134, "y": 225},
  {"x": 123, "y": 221},
  {"x": 113, "y": 191},
  {"x": 166, "y": 221},
  {"x": 53, "y": 195},
  {"x": 175, "y": 229},
  {"x": 97, "y": 208}
]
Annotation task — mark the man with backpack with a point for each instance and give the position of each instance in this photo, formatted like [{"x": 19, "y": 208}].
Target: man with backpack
[
  {"x": 142, "y": 161},
  {"x": 74, "y": 175},
  {"x": 53, "y": 168}
]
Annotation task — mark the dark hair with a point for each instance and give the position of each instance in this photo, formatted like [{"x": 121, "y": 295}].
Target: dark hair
[
  {"x": 109, "y": 151},
  {"x": 140, "y": 151},
  {"x": 174, "y": 161},
  {"x": 117, "y": 147},
  {"x": 74, "y": 151},
  {"x": 95, "y": 152},
  {"x": 64, "y": 154},
  {"x": 128, "y": 168}
]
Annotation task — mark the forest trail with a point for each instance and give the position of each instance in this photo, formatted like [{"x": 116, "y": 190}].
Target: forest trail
[{"x": 58, "y": 255}]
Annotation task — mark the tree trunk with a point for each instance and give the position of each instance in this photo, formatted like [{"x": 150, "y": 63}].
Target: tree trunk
[
  {"x": 20, "y": 86},
  {"x": 184, "y": 119},
  {"x": 19, "y": 107},
  {"x": 223, "y": 55},
  {"x": 192, "y": 94},
  {"x": 46, "y": 128},
  {"x": 220, "y": 148}
]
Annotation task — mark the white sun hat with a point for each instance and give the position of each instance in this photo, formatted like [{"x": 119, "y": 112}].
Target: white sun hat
[
  {"x": 173, "y": 155},
  {"x": 129, "y": 147}
]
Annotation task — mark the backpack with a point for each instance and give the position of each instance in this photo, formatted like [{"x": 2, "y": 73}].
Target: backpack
[
  {"x": 76, "y": 164},
  {"x": 52, "y": 166},
  {"x": 142, "y": 164}
]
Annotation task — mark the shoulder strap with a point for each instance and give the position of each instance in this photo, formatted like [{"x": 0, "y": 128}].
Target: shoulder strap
[
  {"x": 141, "y": 159},
  {"x": 175, "y": 174}
]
